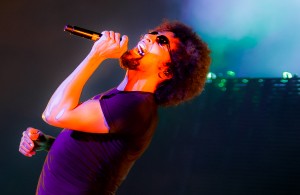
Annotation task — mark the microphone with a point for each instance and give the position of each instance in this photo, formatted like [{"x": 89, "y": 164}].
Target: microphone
[{"x": 88, "y": 34}]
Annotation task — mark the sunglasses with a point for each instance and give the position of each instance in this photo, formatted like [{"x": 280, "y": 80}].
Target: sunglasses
[{"x": 162, "y": 40}]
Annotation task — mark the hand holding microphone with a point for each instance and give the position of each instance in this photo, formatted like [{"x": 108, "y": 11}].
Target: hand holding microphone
[{"x": 110, "y": 44}]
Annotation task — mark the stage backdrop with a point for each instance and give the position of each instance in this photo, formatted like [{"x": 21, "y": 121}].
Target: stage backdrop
[
  {"x": 241, "y": 136},
  {"x": 238, "y": 137}
]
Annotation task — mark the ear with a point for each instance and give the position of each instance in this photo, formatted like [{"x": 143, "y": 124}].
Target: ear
[{"x": 165, "y": 74}]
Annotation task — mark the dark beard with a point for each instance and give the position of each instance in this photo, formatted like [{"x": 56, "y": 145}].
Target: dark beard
[{"x": 128, "y": 61}]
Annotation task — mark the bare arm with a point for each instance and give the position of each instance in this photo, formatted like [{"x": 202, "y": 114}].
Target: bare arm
[{"x": 63, "y": 110}]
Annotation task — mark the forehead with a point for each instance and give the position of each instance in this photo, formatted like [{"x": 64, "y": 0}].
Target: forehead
[{"x": 168, "y": 34}]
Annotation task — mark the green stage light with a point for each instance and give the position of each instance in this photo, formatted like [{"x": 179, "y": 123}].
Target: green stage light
[
  {"x": 230, "y": 73},
  {"x": 284, "y": 81},
  {"x": 223, "y": 81},
  {"x": 221, "y": 85},
  {"x": 287, "y": 75},
  {"x": 245, "y": 81}
]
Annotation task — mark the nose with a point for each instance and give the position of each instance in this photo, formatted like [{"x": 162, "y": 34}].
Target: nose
[{"x": 149, "y": 38}]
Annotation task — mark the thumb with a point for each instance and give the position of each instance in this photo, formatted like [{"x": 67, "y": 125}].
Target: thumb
[{"x": 33, "y": 133}]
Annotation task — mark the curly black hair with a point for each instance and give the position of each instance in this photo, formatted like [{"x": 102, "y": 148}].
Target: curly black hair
[{"x": 189, "y": 66}]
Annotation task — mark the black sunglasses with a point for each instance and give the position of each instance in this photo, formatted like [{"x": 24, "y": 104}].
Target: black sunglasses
[{"x": 162, "y": 40}]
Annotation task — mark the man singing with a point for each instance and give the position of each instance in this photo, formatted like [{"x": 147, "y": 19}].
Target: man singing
[{"x": 104, "y": 136}]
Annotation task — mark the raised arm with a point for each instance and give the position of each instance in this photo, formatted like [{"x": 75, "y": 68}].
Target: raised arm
[{"x": 63, "y": 110}]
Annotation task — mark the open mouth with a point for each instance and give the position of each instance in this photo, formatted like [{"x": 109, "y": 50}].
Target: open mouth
[{"x": 141, "y": 49}]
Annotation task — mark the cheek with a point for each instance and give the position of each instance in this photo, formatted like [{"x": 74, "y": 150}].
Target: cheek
[{"x": 157, "y": 56}]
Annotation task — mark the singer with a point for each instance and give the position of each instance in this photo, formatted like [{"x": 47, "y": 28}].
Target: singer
[{"x": 104, "y": 136}]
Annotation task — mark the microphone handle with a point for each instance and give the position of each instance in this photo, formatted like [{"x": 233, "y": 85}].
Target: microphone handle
[{"x": 88, "y": 34}]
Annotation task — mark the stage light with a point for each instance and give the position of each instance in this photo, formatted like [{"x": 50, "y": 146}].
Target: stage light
[
  {"x": 230, "y": 73},
  {"x": 287, "y": 75},
  {"x": 245, "y": 81},
  {"x": 284, "y": 81},
  {"x": 223, "y": 81},
  {"x": 221, "y": 85},
  {"x": 211, "y": 75}
]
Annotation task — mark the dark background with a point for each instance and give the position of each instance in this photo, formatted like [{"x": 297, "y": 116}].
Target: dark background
[{"x": 227, "y": 141}]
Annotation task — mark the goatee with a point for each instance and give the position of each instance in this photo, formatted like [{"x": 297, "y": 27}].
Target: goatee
[{"x": 129, "y": 61}]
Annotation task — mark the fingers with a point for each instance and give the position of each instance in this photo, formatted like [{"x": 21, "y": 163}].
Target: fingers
[
  {"x": 109, "y": 45},
  {"x": 124, "y": 41},
  {"x": 26, "y": 153},
  {"x": 32, "y": 133},
  {"x": 26, "y": 145},
  {"x": 117, "y": 38},
  {"x": 113, "y": 36},
  {"x": 108, "y": 35},
  {"x": 105, "y": 35}
]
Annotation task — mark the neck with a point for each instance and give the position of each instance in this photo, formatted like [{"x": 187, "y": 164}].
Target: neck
[{"x": 134, "y": 81}]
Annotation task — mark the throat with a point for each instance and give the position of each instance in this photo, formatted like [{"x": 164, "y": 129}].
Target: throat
[{"x": 144, "y": 85}]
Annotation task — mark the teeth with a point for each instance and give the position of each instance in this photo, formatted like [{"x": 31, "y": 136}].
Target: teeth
[{"x": 141, "y": 50}]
